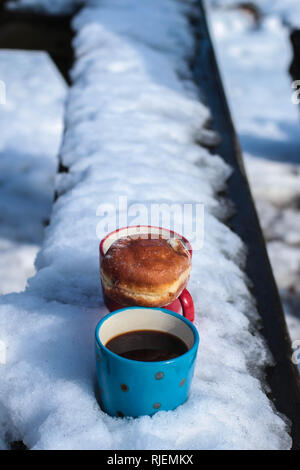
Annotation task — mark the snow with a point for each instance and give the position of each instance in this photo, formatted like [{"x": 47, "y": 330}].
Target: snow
[
  {"x": 16, "y": 265},
  {"x": 133, "y": 122},
  {"x": 31, "y": 128},
  {"x": 268, "y": 126}
]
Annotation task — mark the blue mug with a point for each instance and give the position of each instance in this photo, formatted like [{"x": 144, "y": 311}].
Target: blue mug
[{"x": 127, "y": 387}]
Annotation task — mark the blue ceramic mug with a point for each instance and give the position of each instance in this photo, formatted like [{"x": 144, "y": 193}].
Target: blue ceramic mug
[{"x": 127, "y": 387}]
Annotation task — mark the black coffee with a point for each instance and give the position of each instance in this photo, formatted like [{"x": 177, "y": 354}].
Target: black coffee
[{"x": 147, "y": 345}]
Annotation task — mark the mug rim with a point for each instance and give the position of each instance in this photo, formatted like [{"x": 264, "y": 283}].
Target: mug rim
[
  {"x": 149, "y": 363},
  {"x": 149, "y": 226}
]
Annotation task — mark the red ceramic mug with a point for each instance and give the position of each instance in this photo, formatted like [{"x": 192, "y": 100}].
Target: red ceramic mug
[{"x": 184, "y": 303}]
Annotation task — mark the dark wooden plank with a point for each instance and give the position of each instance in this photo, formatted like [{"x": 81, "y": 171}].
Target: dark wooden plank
[
  {"x": 283, "y": 378},
  {"x": 32, "y": 31}
]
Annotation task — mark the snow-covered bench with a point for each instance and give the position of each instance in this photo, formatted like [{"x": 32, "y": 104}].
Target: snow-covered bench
[{"x": 135, "y": 127}]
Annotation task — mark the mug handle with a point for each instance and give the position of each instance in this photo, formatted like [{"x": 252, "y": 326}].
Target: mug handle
[{"x": 187, "y": 304}]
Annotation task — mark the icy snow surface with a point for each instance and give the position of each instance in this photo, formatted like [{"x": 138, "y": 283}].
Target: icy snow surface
[
  {"x": 133, "y": 116},
  {"x": 55, "y": 7},
  {"x": 259, "y": 90},
  {"x": 31, "y": 128}
]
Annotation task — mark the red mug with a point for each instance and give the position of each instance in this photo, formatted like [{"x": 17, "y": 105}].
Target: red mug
[{"x": 184, "y": 303}]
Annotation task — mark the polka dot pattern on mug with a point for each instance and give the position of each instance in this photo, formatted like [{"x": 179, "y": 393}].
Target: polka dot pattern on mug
[{"x": 159, "y": 375}]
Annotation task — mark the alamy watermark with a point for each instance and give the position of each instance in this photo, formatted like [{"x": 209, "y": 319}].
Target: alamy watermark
[
  {"x": 186, "y": 219},
  {"x": 2, "y": 93},
  {"x": 296, "y": 94}
]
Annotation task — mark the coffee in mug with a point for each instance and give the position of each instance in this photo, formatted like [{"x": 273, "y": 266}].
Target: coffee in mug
[{"x": 147, "y": 345}]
